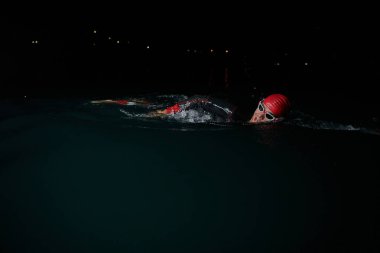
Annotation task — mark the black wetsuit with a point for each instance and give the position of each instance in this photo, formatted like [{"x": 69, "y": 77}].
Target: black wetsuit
[{"x": 219, "y": 109}]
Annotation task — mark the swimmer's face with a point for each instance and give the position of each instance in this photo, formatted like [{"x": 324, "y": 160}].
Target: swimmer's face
[{"x": 262, "y": 115}]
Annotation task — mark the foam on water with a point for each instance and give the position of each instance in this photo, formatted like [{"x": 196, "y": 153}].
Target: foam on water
[{"x": 304, "y": 120}]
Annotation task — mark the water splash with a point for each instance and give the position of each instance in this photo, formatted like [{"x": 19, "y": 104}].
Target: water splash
[
  {"x": 307, "y": 121},
  {"x": 192, "y": 116}
]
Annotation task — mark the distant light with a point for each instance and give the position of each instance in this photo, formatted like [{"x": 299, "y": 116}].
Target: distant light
[
  {"x": 36, "y": 41},
  {"x": 94, "y": 31},
  {"x": 94, "y": 44},
  {"x": 188, "y": 50},
  {"x": 306, "y": 64},
  {"x": 277, "y": 64},
  {"x": 128, "y": 42},
  {"x": 286, "y": 54},
  {"x": 117, "y": 42},
  {"x": 32, "y": 41},
  {"x": 109, "y": 38},
  {"x": 24, "y": 96},
  {"x": 147, "y": 47},
  {"x": 211, "y": 50},
  {"x": 227, "y": 51},
  {"x": 195, "y": 51}
]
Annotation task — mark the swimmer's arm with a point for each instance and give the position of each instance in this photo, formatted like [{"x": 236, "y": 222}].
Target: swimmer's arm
[{"x": 122, "y": 102}]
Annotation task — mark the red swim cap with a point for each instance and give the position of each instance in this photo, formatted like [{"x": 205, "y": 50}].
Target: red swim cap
[{"x": 278, "y": 104}]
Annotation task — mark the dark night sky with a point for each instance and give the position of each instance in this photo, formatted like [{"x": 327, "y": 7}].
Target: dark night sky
[
  {"x": 341, "y": 42},
  {"x": 187, "y": 21}
]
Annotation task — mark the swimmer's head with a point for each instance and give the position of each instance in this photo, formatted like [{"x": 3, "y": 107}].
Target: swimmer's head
[{"x": 271, "y": 109}]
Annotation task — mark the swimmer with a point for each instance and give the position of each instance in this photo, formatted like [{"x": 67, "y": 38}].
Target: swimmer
[{"x": 273, "y": 108}]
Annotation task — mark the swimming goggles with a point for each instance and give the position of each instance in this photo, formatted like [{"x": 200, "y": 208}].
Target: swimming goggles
[{"x": 268, "y": 115}]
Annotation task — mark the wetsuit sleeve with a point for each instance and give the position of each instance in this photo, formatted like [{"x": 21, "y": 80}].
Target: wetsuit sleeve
[
  {"x": 187, "y": 104},
  {"x": 219, "y": 110},
  {"x": 172, "y": 109}
]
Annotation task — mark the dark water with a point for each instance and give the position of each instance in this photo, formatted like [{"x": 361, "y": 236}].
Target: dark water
[{"x": 81, "y": 178}]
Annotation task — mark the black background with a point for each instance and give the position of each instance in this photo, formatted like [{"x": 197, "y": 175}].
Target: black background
[{"x": 338, "y": 43}]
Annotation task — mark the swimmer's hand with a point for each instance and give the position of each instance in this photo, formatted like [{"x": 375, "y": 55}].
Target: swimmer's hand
[{"x": 102, "y": 101}]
